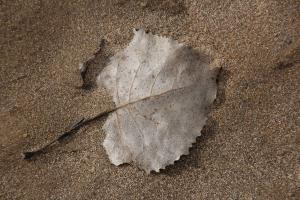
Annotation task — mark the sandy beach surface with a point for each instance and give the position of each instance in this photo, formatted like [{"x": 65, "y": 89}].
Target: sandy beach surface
[{"x": 249, "y": 148}]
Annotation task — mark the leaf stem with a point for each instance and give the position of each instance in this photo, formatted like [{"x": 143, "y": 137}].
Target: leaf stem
[{"x": 28, "y": 155}]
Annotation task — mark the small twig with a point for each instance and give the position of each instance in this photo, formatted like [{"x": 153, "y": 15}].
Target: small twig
[
  {"x": 28, "y": 155},
  {"x": 83, "y": 122}
]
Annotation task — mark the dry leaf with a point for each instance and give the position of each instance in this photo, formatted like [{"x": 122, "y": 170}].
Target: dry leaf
[{"x": 162, "y": 90}]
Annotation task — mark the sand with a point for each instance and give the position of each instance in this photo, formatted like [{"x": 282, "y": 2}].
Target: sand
[{"x": 249, "y": 148}]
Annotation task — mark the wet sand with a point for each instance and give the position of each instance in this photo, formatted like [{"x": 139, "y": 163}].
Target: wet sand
[{"x": 249, "y": 148}]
